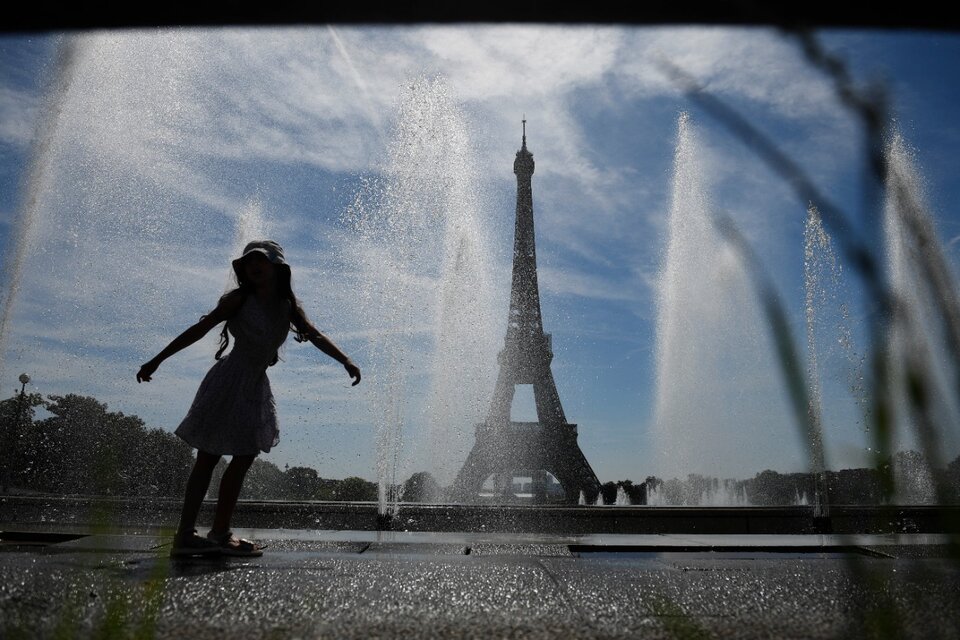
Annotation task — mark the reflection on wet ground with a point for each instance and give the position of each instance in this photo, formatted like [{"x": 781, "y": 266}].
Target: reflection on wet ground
[
  {"x": 721, "y": 555},
  {"x": 357, "y": 585}
]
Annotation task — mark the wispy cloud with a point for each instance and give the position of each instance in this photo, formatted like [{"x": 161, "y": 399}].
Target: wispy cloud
[
  {"x": 18, "y": 115},
  {"x": 166, "y": 137},
  {"x": 570, "y": 282}
]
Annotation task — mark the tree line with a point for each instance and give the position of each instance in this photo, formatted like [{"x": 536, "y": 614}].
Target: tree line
[
  {"x": 83, "y": 448},
  {"x": 904, "y": 478}
]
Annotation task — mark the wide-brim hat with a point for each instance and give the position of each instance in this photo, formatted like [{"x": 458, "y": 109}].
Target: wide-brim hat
[{"x": 268, "y": 248}]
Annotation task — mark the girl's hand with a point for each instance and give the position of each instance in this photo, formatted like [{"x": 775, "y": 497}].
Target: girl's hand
[
  {"x": 146, "y": 371},
  {"x": 353, "y": 371}
]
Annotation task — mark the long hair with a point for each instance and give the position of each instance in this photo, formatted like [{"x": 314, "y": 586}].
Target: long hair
[{"x": 302, "y": 328}]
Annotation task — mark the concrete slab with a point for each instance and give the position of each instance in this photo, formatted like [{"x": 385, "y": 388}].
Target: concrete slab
[
  {"x": 335, "y": 588},
  {"x": 132, "y": 539},
  {"x": 113, "y": 543},
  {"x": 416, "y": 548},
  {"x": 349, "y": 584},
  {"x": 524, "y": 549}
]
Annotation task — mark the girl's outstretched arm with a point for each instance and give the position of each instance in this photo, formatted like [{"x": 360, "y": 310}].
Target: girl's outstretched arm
[
  {"x": 226, "y": 308},
  {"x": 325, "y": 344}
]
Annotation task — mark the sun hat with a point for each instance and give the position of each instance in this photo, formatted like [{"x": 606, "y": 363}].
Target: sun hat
[{"x": 268, "y": 248}]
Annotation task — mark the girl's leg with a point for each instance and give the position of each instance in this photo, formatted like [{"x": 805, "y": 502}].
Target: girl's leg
[
  {"x": 197, "y": 486},
  {"x": 230, "y": 486}
]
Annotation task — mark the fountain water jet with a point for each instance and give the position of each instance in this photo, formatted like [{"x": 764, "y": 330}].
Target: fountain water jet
[
  {"x": 817, "y": 258},
  {"x": 427, "y": 294},
  {"x": 697, "y": 492},
  {"x": 36, "y": 183},
  {"x": 826, "y": 298},
  {"x": 716, "y": 383},
  {"x": 623, "y": 500},
  {"x": 924, "y": 325},
  {"x": 104, "y": 208},
  {"x": 250, "y": 225}
]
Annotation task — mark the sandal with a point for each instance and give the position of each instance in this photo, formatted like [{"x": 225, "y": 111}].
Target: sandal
[
  {"x": 230, "y": 545},
  {"x": 193, "y": 544}
]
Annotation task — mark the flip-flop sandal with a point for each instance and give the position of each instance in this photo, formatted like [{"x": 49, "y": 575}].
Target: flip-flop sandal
[
  {"x": 193, "y": 545},
  {"x": 230, "y": 545}
]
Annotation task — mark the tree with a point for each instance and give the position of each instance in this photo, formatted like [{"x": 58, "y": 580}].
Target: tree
[
  {"x": 89, "y": 446},
  {"x": 17, "y": 453},
  {"x": 636, "y": 492},
  {"x": 852, "y": 486},
  {"x": 913, "y": 478},
  {"x": 421, "y": 487},
  {"x": 264, "y": 481},
  {"x": 609, "y": 492},
  {"x": 83, "y": 448},
  {"x": 769, "y": 488},
  {"x": 951, "y": 479},
  {"x": 357, "y": 490},
  {"x": 165, "y": 462},
  {"x": 301, "y": 483}
]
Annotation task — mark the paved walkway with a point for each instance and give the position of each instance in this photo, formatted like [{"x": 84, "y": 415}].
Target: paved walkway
[{"x": 361, "y": 584}]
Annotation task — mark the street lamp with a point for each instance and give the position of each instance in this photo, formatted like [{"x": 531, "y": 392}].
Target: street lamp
[{"x": 13, "y": 434}]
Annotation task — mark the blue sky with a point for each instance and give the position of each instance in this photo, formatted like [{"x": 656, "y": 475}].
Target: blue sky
[{"x": 372, "y": 155}]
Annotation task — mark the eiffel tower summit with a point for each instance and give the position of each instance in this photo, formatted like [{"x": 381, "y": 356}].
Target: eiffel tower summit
[{"x": 506, "y": 450}]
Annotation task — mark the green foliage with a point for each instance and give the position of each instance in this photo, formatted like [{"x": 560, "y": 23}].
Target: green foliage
[
  {"x": 83, "y": 448},
  {"x": 16, "y": 451},
  {"x": 264, "y": 480},
  {"x": 421, "y": 487},
  {"x": 86, "y": 449},
  {"x": 356, "y": 489},
  {"x": 301, "y": 483},
  {"x": 909, "y": 471}
]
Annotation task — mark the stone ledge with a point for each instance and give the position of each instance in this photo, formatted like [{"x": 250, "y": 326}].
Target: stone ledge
[{"x": 362, "y": 516}]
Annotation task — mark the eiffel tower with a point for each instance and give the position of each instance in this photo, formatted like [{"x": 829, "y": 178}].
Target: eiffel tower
[{"x": 505, "y": 449}]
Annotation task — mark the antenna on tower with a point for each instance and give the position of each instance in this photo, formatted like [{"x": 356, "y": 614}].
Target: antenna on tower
[{"x": 524, "y": 130}]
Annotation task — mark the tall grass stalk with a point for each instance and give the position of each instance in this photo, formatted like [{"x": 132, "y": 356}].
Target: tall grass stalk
[{"x": 882, "y": 184}]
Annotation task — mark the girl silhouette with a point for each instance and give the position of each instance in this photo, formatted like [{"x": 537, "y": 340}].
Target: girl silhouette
[{"x": 234, "y": 412}]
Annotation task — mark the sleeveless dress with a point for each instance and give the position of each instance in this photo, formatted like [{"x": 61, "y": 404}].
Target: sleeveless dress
[{"x": 234, "y": 412}]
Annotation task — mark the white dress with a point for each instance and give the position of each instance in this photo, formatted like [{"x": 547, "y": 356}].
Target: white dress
[{"x": 234, "y": 412}]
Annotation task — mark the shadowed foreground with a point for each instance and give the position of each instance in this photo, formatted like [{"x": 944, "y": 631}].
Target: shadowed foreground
[{"x": 358, "y": 584}]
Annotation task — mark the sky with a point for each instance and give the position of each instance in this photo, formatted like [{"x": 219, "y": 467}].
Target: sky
[{"x": 135, "y": 164}]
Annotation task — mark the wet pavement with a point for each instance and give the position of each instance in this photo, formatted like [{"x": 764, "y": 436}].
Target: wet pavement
[{"x": 365, "y": 584}]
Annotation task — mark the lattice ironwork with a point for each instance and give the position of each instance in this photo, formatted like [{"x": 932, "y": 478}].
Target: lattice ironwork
[{"x": 505, "y": 449}]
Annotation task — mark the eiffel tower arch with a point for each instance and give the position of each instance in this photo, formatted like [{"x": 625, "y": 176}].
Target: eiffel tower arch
[{"x": 504, "y": 448}]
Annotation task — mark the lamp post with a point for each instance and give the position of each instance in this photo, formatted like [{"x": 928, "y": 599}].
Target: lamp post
[
  {"x": 24, "y": 379},
  {"x": 13, "y": 434}
]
